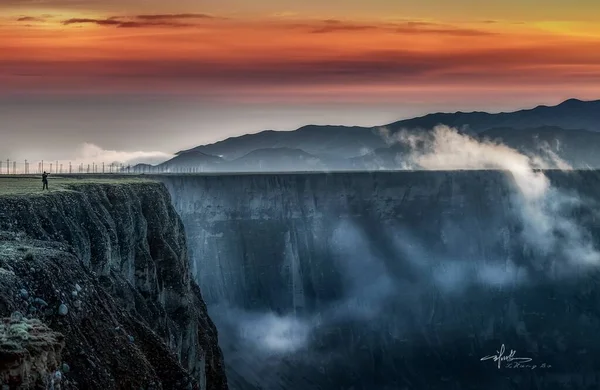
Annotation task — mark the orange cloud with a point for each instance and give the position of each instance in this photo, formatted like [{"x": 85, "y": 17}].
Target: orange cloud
[
  {"x": 30, "y": 19},
  {"x": 159, "y": 22},
  {"x": 138, "y": 21},
  {"x": 209, "y": 54},
  {"x": 175, "y": 16}
]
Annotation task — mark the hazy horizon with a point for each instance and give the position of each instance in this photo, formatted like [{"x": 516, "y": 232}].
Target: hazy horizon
[
  {"x": 54, "y": 128},
  {"x": 149, "y": 76}
]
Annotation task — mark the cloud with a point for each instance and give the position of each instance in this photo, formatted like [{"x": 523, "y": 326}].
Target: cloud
[
  {"x": 265, "y": 334},
  {"x": 367, "y": 283},
  {"x": 175, "y": 16},
  {"x": 409, "y": 27},
  {"x": 545, "y": 211},
  {"x": 30, "y": 19},
  {"x": 549, "y": 157},
  {"x": 113, "y": 21},
  {"x": 301, "y": 62},
  {"x": 503, "y": 67},
  {"x": 89, "y": 153},
  {"x": 147, "y": 20},
  {"x": 273, "y": 334},
  {"x": 100, "y": 22},
  {"x": 450, "y": 271},
  {"x": 335, "y": 26},
  {"x": 284, "y": 14},
  {"x": 438, "y": 29},
  {"x": 447, "y": 149}
]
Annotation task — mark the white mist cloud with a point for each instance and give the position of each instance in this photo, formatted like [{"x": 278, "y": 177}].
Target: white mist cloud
[
  {"x": 263, "y": 333},
  {"x": 367, "y": 283},
  {"x": 544, "y": 210},
  {"x": 367, "y": 288},
  {"x": 365, "y": 151},
  {"x": 272, "y": 333},
  {"x": 447, "y": 149},
  {"x": 452, "y": 274},
  {"x": 549, "y": 158},
  {"x": 89, "y": 153}
]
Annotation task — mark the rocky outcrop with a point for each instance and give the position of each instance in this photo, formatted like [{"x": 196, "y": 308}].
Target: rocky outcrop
[
  {"x": 106, "y": 266},
  {"x": 30, "y": 352}
]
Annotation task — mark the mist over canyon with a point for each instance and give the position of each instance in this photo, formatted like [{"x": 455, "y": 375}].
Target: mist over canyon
[
  {"x": 393, "y": 280},
  {"x": 472, "y": 264}
]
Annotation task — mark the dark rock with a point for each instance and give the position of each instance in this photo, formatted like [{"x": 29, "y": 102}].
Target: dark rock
[{"x": 126, "y": 245}]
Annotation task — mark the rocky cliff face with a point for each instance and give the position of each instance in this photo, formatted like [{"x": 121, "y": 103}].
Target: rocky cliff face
[
  {"x": 106, "y": 266},
  {"x": 398, "y": 280}
]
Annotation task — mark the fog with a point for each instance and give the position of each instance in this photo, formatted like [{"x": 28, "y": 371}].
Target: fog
[
  {"x": 88, "y": 153},
  {"x": 386, "y": 282},
  {"x": 543, "y": 209}
]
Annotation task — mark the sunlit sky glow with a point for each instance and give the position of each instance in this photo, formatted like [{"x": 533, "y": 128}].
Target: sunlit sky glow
[{"x": 283, "y": 55}]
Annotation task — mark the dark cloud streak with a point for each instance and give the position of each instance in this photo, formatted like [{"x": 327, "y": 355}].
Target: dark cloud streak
[
  {"x": 30, "y": 19},
  {"x": 140, "y": 21},
  {"x": 317, "y": 27},
  {"x": 334, "y": 27},
  {"x": 100, "y": 22},
  {"x": 410, "y": 27},
  {"x": 449, "y": 31},
  {"x": 375, "y": 67},
  {"x": 175, "y": 16},
  {"x": 113, "y": 21}
]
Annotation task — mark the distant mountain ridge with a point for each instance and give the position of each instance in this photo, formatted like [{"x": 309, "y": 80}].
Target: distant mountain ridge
[
  {"x": 192, "y": 159},
  {"x": 282, "y": 158},
  {"x": 572, "y": 114},
  {"x": 574, "y": 123},
  {"x": 327, "y": 141}
]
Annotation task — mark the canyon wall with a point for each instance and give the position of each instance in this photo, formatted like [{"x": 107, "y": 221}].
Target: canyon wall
[
  {"x": 106, "y": 266},
  {"x": 396, "y": 280}
]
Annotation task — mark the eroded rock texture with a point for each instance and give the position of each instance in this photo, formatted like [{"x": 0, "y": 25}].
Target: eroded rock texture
[
  {"x": 106, "y": 266},
  {"x": 30, "y": 352}
]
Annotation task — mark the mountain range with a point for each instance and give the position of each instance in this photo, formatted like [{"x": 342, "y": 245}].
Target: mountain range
[{"x": 570, "y": 129}]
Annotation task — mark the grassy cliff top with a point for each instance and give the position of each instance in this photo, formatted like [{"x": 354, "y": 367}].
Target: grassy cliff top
[{"x": 32, "y": 185}]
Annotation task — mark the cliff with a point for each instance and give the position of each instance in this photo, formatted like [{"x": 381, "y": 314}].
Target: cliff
[
  {"x": 106, "y": 266},
  {"x": 393, "y": 280},
  {"x": 238, "y": 223}
]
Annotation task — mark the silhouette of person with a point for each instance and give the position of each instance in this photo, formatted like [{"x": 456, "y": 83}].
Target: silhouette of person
[{"x": 45, "y": 181}]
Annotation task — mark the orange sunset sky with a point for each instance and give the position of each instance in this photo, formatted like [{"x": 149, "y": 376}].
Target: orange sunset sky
[{"x": 389, "y": 58}]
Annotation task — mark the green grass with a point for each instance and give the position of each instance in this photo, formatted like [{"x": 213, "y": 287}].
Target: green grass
[{"x": 32, "y": 185}]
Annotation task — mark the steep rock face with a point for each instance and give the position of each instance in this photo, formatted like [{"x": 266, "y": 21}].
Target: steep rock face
[
  {"x": 30, "y": 352},
  {"x": 237, "y": 223},
  {"x": 398, "y": 279},
  {"x": 115, "y": 255}
]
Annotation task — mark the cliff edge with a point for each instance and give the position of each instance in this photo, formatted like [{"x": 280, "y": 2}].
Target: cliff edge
[{"x": 104, "y": 266}]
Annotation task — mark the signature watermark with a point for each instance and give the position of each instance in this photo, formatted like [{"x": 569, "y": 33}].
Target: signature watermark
[{"x": 512, "y": 361}]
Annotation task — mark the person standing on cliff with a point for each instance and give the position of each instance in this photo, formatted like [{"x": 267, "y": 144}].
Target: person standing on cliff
[{"x": 45, "y": 181}]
